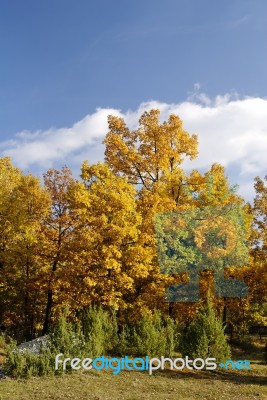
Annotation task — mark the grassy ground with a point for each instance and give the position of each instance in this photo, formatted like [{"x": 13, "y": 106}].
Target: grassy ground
[
  {"x": 166, "y": 385},
  {"x": 163, "y": 385}
]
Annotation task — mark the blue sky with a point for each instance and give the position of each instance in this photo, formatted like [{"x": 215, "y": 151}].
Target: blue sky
[{"x": 61, "y": 60}]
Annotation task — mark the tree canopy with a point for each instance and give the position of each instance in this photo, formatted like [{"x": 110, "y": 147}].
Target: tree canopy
[{"x": 73, "y": 243}]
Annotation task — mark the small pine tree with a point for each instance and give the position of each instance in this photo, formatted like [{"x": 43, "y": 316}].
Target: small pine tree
[
  {"x": 205, "y": 337},
  {"x": 62, "y": 338},
  {"x": 153, "y": 336},
  {"x": 100, "y": 331}
]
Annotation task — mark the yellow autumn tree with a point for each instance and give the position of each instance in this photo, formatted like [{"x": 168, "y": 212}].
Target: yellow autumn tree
[
  {"x": 56, "y": 241},
  {"x": 24, "y": 203},
  {"x": 114, "y": 258},
  {"x": 256, "y": 273},
  {"x": 151, "y": 157}
]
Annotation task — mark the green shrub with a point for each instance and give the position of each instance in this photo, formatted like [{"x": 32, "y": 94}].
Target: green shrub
[
  {"x": 2, "y": 341},
  {"x": 65, "y": 337},
  {"x": 99, "y": 331},
  {"x": 24, "y": 364},
  {"x": 95, "y": 334},
  {"x": 152, "y": 336},
  {"x": 205, "y": 337},
  {"x": 124, "y": 342},
  {"x": 148, "y": 338}
]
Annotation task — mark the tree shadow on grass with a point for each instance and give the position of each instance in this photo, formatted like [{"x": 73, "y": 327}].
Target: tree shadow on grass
[{"x": 219, "y": 375}]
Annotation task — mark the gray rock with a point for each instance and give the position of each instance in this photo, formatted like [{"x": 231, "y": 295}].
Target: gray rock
[{"x": 34, "y": 346}]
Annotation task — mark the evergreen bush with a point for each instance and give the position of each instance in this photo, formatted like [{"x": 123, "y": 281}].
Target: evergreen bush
[
  {"x": 93, "y": 335},
  {"x": 205, "y": 337},
  {"x": 99, "y": 330},
  {"x": 153, "y": 336}
]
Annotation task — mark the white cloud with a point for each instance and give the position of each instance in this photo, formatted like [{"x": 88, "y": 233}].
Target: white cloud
[
  {"x": 53, "y": 146},
  {"x": 231, "y": 131}
]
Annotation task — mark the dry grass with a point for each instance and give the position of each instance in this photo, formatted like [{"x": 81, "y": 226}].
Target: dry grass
[
  {"x": 164, "y": 385},
  {"x": 133, "y": 385}
]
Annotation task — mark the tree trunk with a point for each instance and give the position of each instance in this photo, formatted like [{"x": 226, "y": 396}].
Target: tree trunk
[
  {"x": 48, "y": 311},
  {"x": 49, "y": 303}
]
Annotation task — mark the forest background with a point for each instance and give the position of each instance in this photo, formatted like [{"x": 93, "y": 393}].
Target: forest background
[{"x": 72, "y": 243}]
